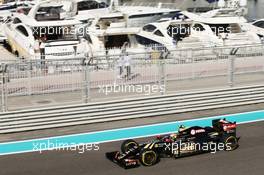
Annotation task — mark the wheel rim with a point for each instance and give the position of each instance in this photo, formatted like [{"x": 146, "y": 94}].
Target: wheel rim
[
  {"x": 232, "y": 142},
  {"x": 149, "y": 158}
]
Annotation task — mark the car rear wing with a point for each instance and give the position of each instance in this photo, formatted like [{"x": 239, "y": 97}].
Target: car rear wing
[{"x": 224, "y": 125}]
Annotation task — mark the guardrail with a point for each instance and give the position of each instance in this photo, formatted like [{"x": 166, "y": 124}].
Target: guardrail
[{"x": 46, "y": 118}]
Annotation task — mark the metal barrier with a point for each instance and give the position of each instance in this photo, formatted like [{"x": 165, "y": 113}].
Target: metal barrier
[
  {"x": 81, "y": 79},
  {"x": 63, "y": 116}
]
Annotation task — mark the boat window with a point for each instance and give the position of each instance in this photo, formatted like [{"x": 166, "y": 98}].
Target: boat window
[
  {"x": 234, "y": 28},
  {"x": 89, "y": 5},
  {"x": 145, "y": 41},
  {"x": 198, "y": 27},
  {"x": 48, "y": 13},
  {"x": 150, "y": 43},
  {"x": 158, "y": 32},
  {"x": 179, "y": 31},
  {"x": 113, "y": 18},
  {"x": 259, "y": 24},
  {"x": 24, "y": 10},
  {"x": 115, "y": 41},
  {"x": 8, "y": 7},
  {"x": 16, "y": 21},
  {"x": 22, "y": 30},
  {"x": 85, "y": 21},
  {"x": 12, "y": 7},
  {"x": 104, "y": 23},
  {"x": 145, "y": 15},
  {"x": 88, "y": 38},
  {"x": 175, "y": 15},
  {"x": 103, "y": 5},
  {"x": 149, "y": 28}
]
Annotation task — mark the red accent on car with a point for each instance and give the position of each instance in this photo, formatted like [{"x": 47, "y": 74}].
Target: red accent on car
[
  {"x": 130, "y": 160},
  {"x": 158, "y": 136},
  {"x": 168, "y": 140},
  {"x": 228, "y": 127}
]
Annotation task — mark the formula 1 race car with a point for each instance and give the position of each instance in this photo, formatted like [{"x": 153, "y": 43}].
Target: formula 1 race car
[{"x": 186, "y": 142}]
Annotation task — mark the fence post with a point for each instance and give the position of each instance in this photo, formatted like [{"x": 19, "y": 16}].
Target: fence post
[
  {"x": 115, "y": 68},
  {"x": 4, "y": 92},
  {"x": 29, "y": 77},
  {"x": 231, "y": 65},
  {"x": 86, "y": 83},
  {"x": 165, "y": 76},
  {"x": 162, "y": 75},
  {"x": 193, "y": 64}
]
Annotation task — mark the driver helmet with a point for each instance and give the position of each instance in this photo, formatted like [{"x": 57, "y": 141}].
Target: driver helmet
[
  {"x": 181, "y": 128},
  {"x": 173, "y": 136}
]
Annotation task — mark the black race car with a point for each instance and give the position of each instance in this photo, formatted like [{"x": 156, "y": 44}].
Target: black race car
[{"x": 186, "y": 142}]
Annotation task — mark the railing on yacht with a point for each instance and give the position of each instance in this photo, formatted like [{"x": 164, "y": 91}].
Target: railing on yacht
[
  {"x": 155, "y": 50},
  {"x": 153, "y": 4}
]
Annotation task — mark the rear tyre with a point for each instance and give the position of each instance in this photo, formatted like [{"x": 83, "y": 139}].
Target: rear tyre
[
  {"x": 128, "y": 144},
  {"x": 148, "y": 157},
  {"x": 231, "y": 143}
]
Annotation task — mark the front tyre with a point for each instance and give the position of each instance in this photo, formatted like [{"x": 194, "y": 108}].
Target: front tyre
[
  {"x": 128, "y": 144},
  {"x": 148, "y": 157},
  {"x": 231, "y": 143}
]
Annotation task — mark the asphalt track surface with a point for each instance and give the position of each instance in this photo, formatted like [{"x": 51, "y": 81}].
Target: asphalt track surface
[{"x": 246, "y": 160}]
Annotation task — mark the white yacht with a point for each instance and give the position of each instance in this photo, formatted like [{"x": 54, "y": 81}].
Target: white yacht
[
  {"x": 118, "y": 26},
  {"x": 226, "y": 26},
  {"x": 43, "y": 33},
  {"x": 219, "y": 27},
  {"x": 113, "y": 40},
  {"x": 175, "y": 34},
  {"x": 134, "y": 16},
  {"x": 10, "y": 7},
  {"x": 228, "y": 22}
]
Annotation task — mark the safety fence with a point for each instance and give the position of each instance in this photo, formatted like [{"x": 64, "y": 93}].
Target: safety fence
[{"x": 34, "y": 83}]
